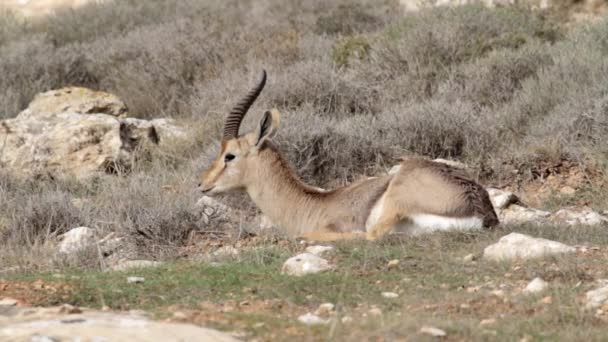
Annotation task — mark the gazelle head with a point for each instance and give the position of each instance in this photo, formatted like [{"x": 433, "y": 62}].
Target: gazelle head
[{"x": 239, "y": 155}]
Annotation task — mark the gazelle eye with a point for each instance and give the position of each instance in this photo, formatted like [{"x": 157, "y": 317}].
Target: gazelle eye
[{"x": 228, "y": 157}]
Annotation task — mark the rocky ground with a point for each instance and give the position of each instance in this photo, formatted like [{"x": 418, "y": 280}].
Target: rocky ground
[
  {"x": 504, "y": 284},
  {"x": 537, "y": 268}
]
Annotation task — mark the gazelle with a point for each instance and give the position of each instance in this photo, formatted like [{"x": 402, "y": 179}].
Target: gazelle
[{"x": 422, "y": 196}]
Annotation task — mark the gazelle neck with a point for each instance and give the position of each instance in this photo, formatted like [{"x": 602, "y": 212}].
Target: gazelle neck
[{"x": 282, "y": 196}]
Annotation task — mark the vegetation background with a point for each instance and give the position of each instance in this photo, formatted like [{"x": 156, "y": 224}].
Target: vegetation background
[{"x": 359, "y": 84}]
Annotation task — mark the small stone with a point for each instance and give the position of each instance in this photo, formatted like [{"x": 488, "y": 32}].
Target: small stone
[
  {"x": 105, "y": 308},
  {"x": 468, "y": 258},
  {"x": 312, "y": 319},
  {"x": 393, "y": 263},
  {"x": 135, "y": 280},
  {"x": 488, "y": 321},
  {"x": 325, "y": 309},
  {"x": 535, "y": 286},
  {"x": 465, "y": 306},
  {"x": 375, "y": 312},
  {"x": 125, "y": 265},
  {"x": 76, "y": 240},
  {"x": 547, "y": 300},
  {"x": 432, "y": 331},
  {"x": 179, "y": 315},
  {"x": 226, "y": 252},
  {"x": 305, "y": 263},
  {"x": 8, "y": 302},
  {"x": 567, "y": 190},
  {"x": 498, "y": 293},
  {"x": 390, "y": 295},
  {"x": 347, "y": 319},
  {"x": 319, "y": 250},
  {"x": 501, "y": 199}
]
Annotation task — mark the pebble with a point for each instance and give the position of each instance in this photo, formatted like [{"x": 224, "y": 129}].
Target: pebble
[
  {"x": 135, "y": 280},
  {"x": 436, "y": 332}
]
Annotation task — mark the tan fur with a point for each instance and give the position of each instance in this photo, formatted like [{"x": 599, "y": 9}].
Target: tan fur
[{"x": 419, "y": 187}]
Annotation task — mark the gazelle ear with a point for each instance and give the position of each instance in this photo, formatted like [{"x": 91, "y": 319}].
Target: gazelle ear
[{"x": 268, "y": 126}]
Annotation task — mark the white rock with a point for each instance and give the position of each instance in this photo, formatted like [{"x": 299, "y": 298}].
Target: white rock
[
  {"x": 319, "y": 250},
  {"x": 435, "y": 332},
  {"x": 226, "y": 252},
  {"x": 135, "y": 280},
  {"x": 325, "y": 309},
  {"x": 535, "y": 286},
  {"x": 521, "y": 246},
  {"x": 390, "y": 295},
  {"x": 8, "y": 302},
  {"x": 501, "y": 199},
  {"x": 452, "y": 163},
  {"x": 100, "y": 326},
  {"x": 305, "y": 263},
  {"x": 394, "y": 169},
  {"x": 76, "y": 240},
  {"x": 74, "y": 133},
  {"x": 375, "y": 312},
  {"x": 346, "y": 319},
  {"x": 312, "y": 319},
  {"x": 125, "y": 265},
  {"x": 468, "y": 258},
  {"x": 517, "y": 214},
  {"x": 265, "y": 223},
  {"x": 598, "y": 297},
  {"x": 583, "y": 216}
]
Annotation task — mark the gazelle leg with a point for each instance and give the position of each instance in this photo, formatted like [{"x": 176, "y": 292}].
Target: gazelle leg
[{"x": 382, "y": 227}]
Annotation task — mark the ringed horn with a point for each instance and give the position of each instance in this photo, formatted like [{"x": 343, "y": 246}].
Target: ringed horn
[{"x": 234, "y": 119}]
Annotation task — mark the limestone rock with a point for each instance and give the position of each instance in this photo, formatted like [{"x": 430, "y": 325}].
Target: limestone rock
[
  {"x": 390, "y": 295},
  {"x": 125, "y": 265},
  {"x": 581, "y": 216},
  {"x": 521, "y": 246},
  {"x": 8, "y": 302},
  {"x": 432, "y": 331},
  {"x": 74, "y": 100},
  {"x": 135, "y": 280},
  {"x": 77, "y": 240},
  {"x": 312, "y": 319},
  {"x": 394, "y": 169},
  {"x": 76, "y": 132},
  {"x": 516, "y": 214},
  {"x": 501, "y": 199},
  {"x": 535, "y": 286},
  {"x": 305, "y": 263},
  {"x": 325, "y": 309},
  {"x": 25, "y": 324},
  {"x": 597, "y": 297},
  {"x": 418, "y": 5}
]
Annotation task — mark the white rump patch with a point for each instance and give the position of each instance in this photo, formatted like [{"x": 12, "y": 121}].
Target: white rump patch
[{"x": 426, "y": 223}]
